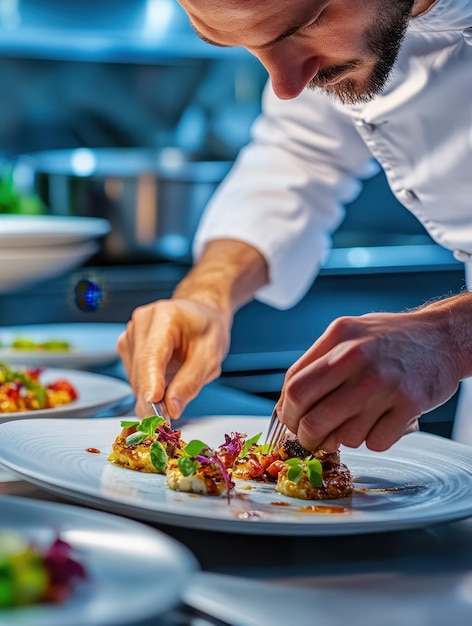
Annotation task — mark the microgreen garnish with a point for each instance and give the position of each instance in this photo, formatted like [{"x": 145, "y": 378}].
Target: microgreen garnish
[
  {"x": 312, "y": 468},
  {"x": 248, "y": 443},
  {"x": 135, "y": 438},
  {"x": 194, "y": 447},
  {"x": 125, "y": 424},
  {"x": 197, "y": 452},
  {"x": 159, "y": 456},
  {"x": 146, "y": 429},
  {"x": 187, "y": 466}
]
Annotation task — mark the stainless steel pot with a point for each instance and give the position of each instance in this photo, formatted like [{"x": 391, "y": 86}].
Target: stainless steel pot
[{"x": 153, "y": 198}]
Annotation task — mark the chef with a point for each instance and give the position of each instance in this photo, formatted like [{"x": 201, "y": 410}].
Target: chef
[{"x": 354, "y": 85}]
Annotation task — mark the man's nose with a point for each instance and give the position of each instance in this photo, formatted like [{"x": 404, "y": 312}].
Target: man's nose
[{"x": 289, "y": 72}]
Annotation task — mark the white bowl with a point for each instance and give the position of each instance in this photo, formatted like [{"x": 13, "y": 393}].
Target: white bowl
[
  {"x": 23, "y": 267},
  {"x": 18, "y": 231}
]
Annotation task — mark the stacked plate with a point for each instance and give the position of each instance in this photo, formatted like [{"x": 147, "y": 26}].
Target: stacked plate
[{"x": 36, "y": 248}]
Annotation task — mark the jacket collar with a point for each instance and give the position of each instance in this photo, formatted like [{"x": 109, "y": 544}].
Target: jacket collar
[{"x": 444, "y": 15}]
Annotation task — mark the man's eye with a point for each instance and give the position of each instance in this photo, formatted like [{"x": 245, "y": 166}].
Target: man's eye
[{"x": 315, "y": 22}]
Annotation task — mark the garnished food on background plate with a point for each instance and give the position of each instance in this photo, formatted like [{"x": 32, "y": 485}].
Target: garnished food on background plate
[
  {"x": 22, "y": 390},
  {"x": 31, "y": 575},
  {"x": 26, "y": 344},
  {"x": 153, "y": 446}
]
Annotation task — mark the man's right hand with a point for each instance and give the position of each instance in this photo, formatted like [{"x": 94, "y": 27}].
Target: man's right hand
[{"x": 171, "y": 349}]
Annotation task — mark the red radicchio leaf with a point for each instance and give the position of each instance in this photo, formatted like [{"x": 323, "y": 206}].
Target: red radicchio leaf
[
  {"x": 62, "y": 568},
  {"x": 233, "y": 444},
  {"x": 214, "y": 459},
  {"x": 164, "y": 433}
]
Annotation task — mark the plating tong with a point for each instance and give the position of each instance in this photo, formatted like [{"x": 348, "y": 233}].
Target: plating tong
[
  {"x": 160, "y": 411},
  {"x": 276, "y": 433}
]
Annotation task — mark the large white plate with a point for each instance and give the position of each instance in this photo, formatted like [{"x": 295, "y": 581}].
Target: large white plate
[
  {"x": 25, "y": 231},
  {"x": 92, "y": 345},
  {"x": 134, "y": 572},
  {"x": 422, "y": 480},
  {"x": 95, "y": 393}
]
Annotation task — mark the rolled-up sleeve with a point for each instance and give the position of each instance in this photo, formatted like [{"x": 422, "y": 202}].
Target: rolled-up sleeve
[{"x": 286, "y": 192}]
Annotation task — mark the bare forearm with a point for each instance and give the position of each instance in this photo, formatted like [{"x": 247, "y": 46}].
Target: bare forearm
[
  {"x": 227, "y": 275},
  {"x": 453, "y": 318}
]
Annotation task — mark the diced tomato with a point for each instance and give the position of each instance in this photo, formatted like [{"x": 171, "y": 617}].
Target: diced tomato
[
  {"x": 64, "y": 385},
  {"x": 35, "y": 373},
  {"x": 12, "y": 391},
  {"x": 267, "y": 459},
  {"x": 274, "y": 468}
]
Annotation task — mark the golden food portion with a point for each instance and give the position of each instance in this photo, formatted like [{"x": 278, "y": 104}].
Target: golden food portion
[
  {"x": 134, "y": 457},
  {"x": 207, "y": 480},
  {"x": 337, "y": 484},
  {"x": 137, "y": 456},
  {"x": 257, "y": 465}
]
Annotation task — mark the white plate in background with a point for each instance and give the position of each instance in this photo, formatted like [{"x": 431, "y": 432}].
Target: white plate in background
[
  {"x": 92, "y": 345},
  {"x": 26, "y": 231},
  {"x": 421, "y": 480},
  {"x": 133, "y": 571},
  {"x": 24, "y": 266},
  {"x": 95, "y": 394}
]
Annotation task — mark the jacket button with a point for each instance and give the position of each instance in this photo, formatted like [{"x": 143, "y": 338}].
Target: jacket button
[
  {"x": 462, "y": 256},
  {"x": 408, "y": 195},
  {"x": 467, "y": 34},
  {"x": 368, "y": 126}
]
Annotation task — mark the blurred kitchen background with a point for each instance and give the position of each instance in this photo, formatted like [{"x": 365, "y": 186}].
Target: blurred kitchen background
[{"x": 117, "y": 110}]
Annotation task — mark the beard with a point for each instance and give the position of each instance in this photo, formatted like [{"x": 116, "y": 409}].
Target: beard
[{"x": 383, "y": 43}]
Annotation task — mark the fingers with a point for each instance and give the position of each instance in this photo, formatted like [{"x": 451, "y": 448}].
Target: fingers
[
  {"x": 170, "y": 350},
  {"x": 332, "y": 389},
  {"x": 145, "y": 353},
  {"x": 342, "y": 399}
]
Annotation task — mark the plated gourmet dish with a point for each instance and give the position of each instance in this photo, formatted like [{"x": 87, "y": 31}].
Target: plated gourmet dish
[
  {"x": 151, "y": 445},
  {"x": 30, "y": 574},
  {"x": 22, "y": 390}
]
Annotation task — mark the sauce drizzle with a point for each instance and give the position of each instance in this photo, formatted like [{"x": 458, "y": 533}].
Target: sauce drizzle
[{"x": 322, "y": 508}]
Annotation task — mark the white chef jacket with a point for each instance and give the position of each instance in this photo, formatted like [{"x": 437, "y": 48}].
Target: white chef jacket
[{"x": 286, "y": 192}]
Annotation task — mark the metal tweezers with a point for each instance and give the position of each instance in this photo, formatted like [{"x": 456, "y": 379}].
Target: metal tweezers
[
  {"x": 276, "y": 432},
  {"x": 160, "y": 411}
]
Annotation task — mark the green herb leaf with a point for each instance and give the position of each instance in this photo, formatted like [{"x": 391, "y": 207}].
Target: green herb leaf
[
  {"x": 33, "y": 386},
  {"x": 194, "y": 447},
  {"x": 135, "y": 438},
  {"x": 295, "y": 473},
  {"x": 248, "y": 443},
  {"x": 294, "y": 461},
  {"x": 159, "y": 456},
  {"x": 125, "y": 424},
  {"x": 315, "y": 465},
  {"x": 149, "y": 424},
  {"x": 187, "y": 467},
  {"x": 314, "y": 471}
]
